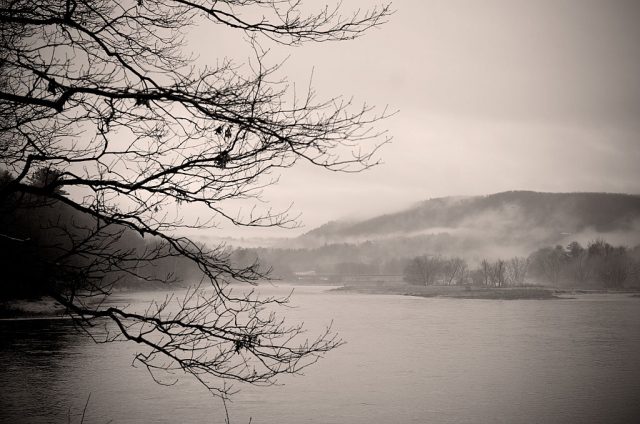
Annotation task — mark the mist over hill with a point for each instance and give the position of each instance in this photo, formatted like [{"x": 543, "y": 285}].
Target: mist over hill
[{"x": 515, "y": 218}]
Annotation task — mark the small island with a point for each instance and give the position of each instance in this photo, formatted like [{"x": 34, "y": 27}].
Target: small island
[{"x": 458, "y": 292}]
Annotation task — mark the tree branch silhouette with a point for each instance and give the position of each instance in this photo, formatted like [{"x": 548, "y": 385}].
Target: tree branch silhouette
[{"x": 105, "y": 115}]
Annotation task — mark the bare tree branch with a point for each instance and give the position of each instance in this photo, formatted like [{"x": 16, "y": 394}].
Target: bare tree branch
[{"x": 108, "y": 128}]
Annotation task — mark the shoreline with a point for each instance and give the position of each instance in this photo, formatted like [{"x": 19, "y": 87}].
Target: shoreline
[
  {"x": 47, "y": 308},
  {"x": 467, "y": 292},
  {"x": 43, "y": 308}
]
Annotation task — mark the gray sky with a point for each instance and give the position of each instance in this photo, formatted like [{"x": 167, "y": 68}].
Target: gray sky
[{"x": 492, "y": 95}]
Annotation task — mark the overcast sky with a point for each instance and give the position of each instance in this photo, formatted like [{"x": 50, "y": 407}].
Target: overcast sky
[{"x": 492, "y": 95}]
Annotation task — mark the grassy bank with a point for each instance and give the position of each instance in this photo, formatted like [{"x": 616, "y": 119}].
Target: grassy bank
[{"x": 451, "y": 291}]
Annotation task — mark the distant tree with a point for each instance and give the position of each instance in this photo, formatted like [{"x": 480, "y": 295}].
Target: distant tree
[
  {"x": 634, "y": 257},
  {"x": 423, "y": 270},
  {"x": 477, "y": 277},
  {"x": 486, "y": 271},
  {"x": 516, "y": 271},
  {"x": 574, "y": 249},
  {"x": 577, "y": 268},
  {"x": 100, "y": 100},
  {"x": 454, "y": 271},
  {"x": 491, "y": 274},
  {"x": 548, "y": 263},
  {"x": 498, "y": 273},
  {"x": 611, "y": 265},
  {"x": 599, "y": 248}
]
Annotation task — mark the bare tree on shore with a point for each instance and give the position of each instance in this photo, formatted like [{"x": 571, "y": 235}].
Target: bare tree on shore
[{"x": 516, "y": 271}]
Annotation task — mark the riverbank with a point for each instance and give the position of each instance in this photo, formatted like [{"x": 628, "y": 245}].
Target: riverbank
[
  {"x": 458, "y": 292},
  {"x": 470, "y": 292},
  {"x": 37, "y": 308}
]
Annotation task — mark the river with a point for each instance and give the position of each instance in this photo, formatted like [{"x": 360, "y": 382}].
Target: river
[{"x": 406, "y": 360}]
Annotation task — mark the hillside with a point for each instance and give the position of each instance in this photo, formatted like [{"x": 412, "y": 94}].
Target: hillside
[{"x": 512, "y": 216}]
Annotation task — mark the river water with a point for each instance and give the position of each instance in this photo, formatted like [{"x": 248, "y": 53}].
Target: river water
[{"x": 407, "y": 360}]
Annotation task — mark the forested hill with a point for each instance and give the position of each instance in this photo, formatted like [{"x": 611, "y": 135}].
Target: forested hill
[
  {"x": 514, "y": 213},
  {"x": 46, "y": 243}
]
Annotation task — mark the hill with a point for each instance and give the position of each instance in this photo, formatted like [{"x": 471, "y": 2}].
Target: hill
[{"x": 509, "y": 216}]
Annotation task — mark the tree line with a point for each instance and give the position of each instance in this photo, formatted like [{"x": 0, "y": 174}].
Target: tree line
[
  {"x": 435, "y": 269},
  {"x": 598, "y": 265}
]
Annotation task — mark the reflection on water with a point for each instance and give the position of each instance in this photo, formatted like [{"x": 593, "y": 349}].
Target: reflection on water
[
  {"x": 33, "y": 354},
  {"x": 407, "y": 360}
]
